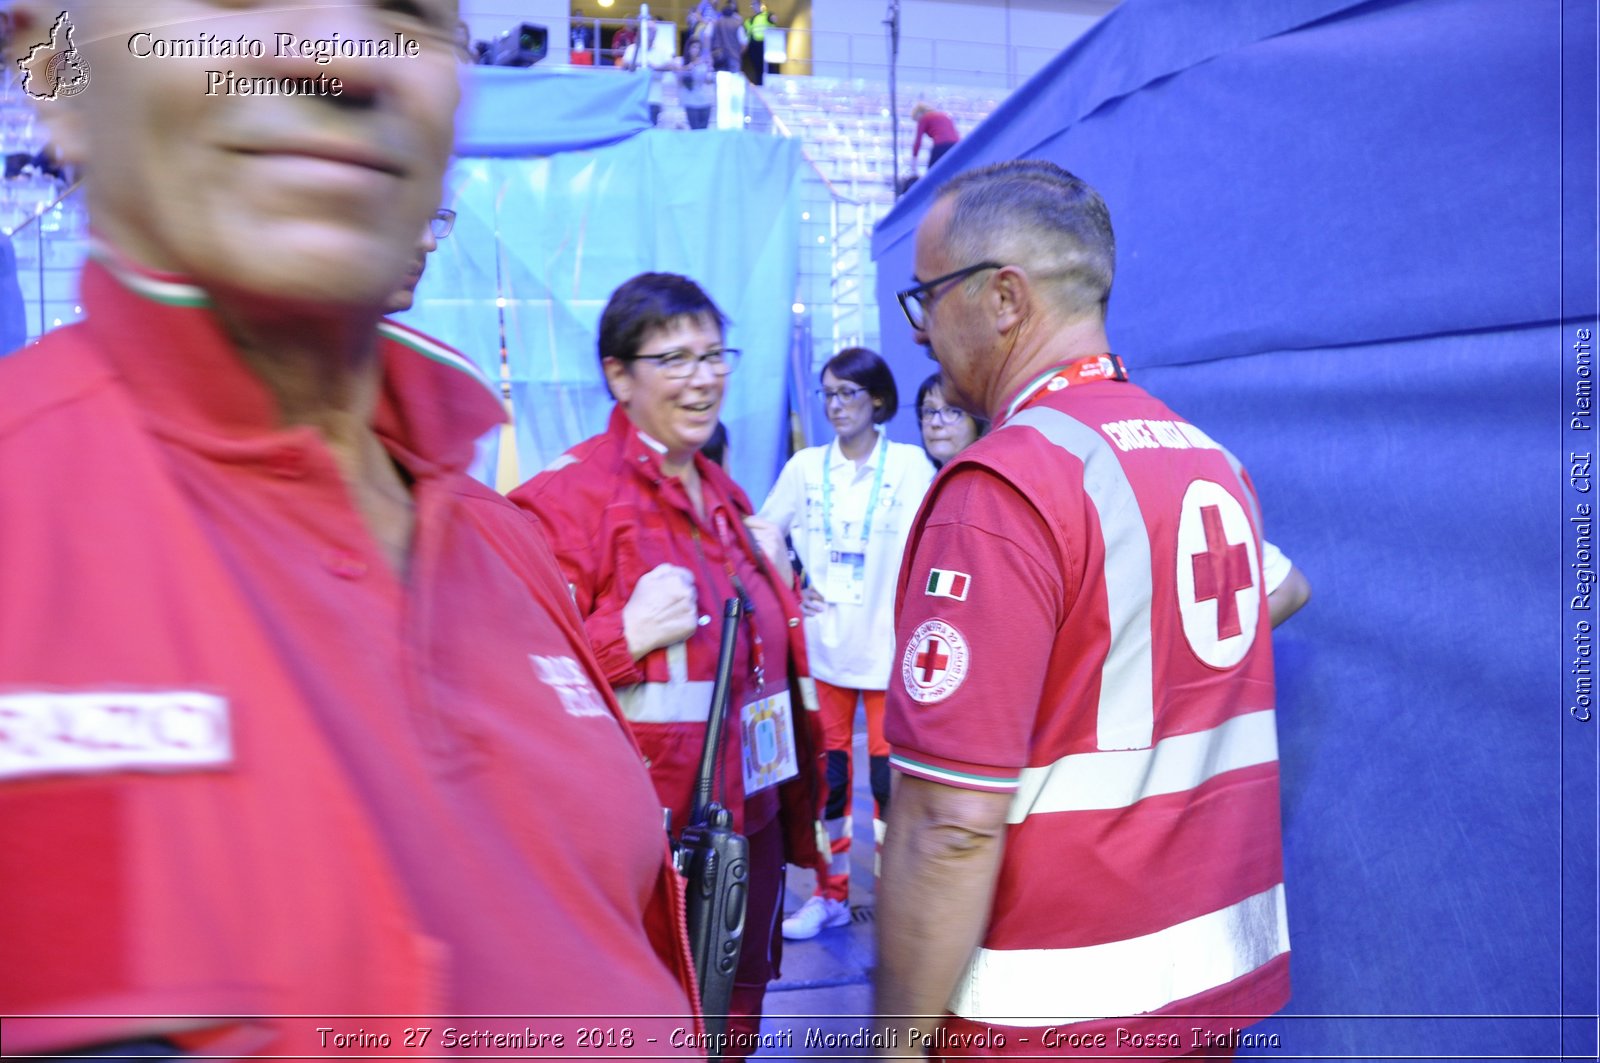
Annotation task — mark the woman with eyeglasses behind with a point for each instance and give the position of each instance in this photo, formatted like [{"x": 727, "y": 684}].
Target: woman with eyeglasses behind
[
  {"x": 848, "y": 507},
  {"x": 652, "y": 539},
  {"x": 946, "y": 429}
]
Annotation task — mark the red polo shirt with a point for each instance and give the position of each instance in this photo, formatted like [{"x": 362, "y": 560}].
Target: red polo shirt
[{"x": 246, "y": 769}]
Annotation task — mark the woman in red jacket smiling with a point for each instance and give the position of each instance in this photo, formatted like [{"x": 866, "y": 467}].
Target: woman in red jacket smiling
[{"x": 653, "y": 538}]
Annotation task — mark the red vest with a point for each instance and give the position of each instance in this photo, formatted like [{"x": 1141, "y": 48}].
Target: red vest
[
  {"x": 1142, "y": 874},
  {"x": 612, "y": 516}
]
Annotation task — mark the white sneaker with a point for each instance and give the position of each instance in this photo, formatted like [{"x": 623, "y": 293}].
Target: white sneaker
[{"x": 816, "y": 915}]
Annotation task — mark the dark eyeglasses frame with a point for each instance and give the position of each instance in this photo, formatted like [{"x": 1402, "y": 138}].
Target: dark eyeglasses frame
[
  {"x": 945, "y": 415},
  {"x": 919, "y": 294},
  {"x": 855, "y": 392},
  {"x": 726, "y": 359},
  {"x": 443, "y": 220}
]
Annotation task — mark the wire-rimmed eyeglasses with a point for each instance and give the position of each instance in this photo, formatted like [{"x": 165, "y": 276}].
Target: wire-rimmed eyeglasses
[
  {"x": 917, "y": 301},
  {"x": 443, "y": 220},
  {"x": 681, "y": 364}
]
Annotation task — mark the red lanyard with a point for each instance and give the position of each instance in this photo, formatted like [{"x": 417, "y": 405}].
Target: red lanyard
[
  {"x": 1089, "y": 370},
  {"x": 758, "y": 651}
]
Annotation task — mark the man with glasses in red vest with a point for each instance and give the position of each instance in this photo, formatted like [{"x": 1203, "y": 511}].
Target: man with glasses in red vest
[{"x": 1084, "y": 853}]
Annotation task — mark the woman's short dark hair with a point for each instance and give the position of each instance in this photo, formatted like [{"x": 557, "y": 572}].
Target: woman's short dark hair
[
  {"x": 646, "y": 303},
  {"x": 926, "y": 389},
  {"x": 866, "y": 369}
]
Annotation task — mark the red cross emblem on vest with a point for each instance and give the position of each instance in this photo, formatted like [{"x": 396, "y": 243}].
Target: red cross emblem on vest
[
  {"x": 1221, "y": 573},
  {"x": 1218, "y": 581}
]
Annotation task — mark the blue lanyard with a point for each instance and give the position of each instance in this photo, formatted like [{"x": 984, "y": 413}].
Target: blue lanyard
[{"x": 872, "y": 502}]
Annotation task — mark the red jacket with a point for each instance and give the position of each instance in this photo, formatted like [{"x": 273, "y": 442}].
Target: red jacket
[
  {"x": 246, "y": 769},
  {"x": 612, "y": 516}
]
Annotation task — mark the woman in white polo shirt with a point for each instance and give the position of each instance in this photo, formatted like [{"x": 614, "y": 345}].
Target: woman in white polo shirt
[{"x": 848, "y": 507}]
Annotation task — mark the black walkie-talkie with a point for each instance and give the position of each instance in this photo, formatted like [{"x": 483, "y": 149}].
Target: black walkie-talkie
[{"x": 715, "y": 860}]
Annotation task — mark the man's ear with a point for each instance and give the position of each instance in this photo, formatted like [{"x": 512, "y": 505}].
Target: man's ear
[
  {"x": 64, "y": 117},
  {"x": 1010, "y": 298}
]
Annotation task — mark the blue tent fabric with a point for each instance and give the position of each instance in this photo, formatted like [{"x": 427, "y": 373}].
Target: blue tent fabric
[
  {"x": 551, "y": 237},
  {"x": 1367, "y": 140},
  {"x": 13, "y": 315},
  {"x": 1356, "y": 243},
  {"x": 574, "y": 108}
]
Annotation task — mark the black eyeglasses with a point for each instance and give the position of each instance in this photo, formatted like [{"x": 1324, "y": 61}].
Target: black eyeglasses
[
  {"x": 845, "y": 396},
  {"x": 443, "y": 220},
  {"x": 946, "y": 415},
  {"x": 916, "y": 302},
  {"x": 681, "y": 365}
]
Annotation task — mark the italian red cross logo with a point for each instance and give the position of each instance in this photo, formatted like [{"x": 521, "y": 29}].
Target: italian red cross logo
[
  {"x": 1221, "y": 573},
  {"x": 935, "y": 661},
  {"x": 931, "y": 661},
  {"x": 1218, "y": 572}
]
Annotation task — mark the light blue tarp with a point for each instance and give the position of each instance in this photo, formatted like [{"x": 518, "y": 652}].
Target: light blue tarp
[
  {"x": 13, "y": 315},
  {"x": 543, "y": 110},
  {"x": 551, "y": 236},
  {"x": 1356, "y": 243}
]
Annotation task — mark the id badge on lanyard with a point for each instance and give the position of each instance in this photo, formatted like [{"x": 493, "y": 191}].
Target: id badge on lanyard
[
  {"x": 845, "y": 581},
  {"x": 767, "y": 732}
]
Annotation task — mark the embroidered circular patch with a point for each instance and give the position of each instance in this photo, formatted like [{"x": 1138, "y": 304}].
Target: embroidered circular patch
[{"x": 935, "y": 662}]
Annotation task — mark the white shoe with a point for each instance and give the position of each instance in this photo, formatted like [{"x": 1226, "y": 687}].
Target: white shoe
[{"x": 816, "y": 915}]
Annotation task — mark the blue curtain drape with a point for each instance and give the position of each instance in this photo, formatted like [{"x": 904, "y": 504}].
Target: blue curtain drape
[{"x": 1356, "y": 243}]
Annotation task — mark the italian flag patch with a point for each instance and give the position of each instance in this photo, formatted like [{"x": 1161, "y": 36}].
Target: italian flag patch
[{"x": 943, "y": 583}]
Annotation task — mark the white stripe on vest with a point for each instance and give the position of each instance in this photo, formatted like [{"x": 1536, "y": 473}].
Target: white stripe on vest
[
  {"x": 1056, "y": 987},
  {"x": 1127, "y": 710},
  {"x": 678, "y": 700},
  {"x": 1121, "y": 778}
]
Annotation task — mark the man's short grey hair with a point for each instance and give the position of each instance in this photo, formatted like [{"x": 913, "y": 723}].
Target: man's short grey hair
[{"x": 1034, "y": 214}]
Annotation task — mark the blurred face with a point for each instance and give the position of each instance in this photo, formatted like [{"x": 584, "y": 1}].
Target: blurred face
[
  {"x": 679, "y": 414},
  {"x": 849, "y": 407},
  {"x": 953, "y": 330},
  {"x": 405, "y": 295},
  {"x": 944, "y": 441},
  {"x": 313, "y": 198}
]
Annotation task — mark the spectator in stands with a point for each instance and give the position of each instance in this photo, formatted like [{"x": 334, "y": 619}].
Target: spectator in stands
[
  {"x": 702, "y": 20},
  {"x": 620, "y": 40},
  {"x": 659, "y": 60},
  {"x": 651, "y": 538},
  {"x": 946, "y": 429},
  {"x": 310, "y": 728},
  {"x": 937, "y": 127},
  {"x": 45, "y": 162},
  {"x": 438, "y": 227},
  {"x": 698, "y": 85},
  {"x": 848, "y": 507},
  {"x": 755, "y": 56},
  {"x": 727, "y": 39}
]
